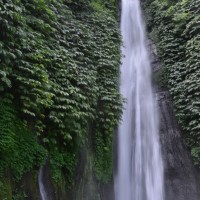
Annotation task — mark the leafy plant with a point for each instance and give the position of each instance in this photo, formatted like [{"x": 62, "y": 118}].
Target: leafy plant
[
  {"x": 59, "y": 74},
  {"x": 178, "y": 42}
]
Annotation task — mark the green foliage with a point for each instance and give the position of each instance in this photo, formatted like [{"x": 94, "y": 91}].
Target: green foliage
[
  {"x": 97, "y": 5},
  {"x": 60, "y": 63},
  {"x": 178, "y": 41},
  {"x": 62, "y": 165},
  {"x": 102, "y": 5},
  {"x": 161, "y": 77},
  {"x": 196, "y": 154},
  {"x": 7, "y": 127},
  {"x": 103, "y": 158},
  {"x": 20, "y": 151},
  {"x": 19, "y": 195},
  {"x": 109, "y": 100},
  {"x": 5, "y": 189}
]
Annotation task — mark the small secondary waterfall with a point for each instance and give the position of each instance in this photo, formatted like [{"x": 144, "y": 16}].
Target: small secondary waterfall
[
  {"x": 140, "y": 167},
  {"x": 41, "y": 185}
]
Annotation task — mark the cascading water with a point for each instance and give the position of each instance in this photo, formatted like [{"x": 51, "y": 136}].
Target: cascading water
[
  {"x": 41, "y": 185},
  {"x": 140, "y": 167}
]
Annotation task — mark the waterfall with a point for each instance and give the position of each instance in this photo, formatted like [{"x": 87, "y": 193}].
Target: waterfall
[
  {"x": 140, "y": 168},
  {"x": 43, "y": 194}
]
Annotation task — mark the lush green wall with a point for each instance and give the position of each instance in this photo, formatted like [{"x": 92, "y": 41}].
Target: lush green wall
[
  {"x": 59, "y": 72},
  {"x": 175, "y": 27}
]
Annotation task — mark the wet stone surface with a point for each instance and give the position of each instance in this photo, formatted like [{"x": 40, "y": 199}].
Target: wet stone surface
[{"x": 181, "y": 176}]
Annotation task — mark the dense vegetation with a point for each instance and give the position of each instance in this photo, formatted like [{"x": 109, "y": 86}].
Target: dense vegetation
[
  {"x": 175, "y": 27},
  {"x": 59, "y": 70}
]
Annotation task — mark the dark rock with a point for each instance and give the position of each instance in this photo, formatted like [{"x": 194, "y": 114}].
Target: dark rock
[{"x": 181, "y": 176}]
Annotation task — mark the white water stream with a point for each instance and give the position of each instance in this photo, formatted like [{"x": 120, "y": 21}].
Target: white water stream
[
  {"x": 140, "y": 167},
  {"x": 43, "y": 193}
]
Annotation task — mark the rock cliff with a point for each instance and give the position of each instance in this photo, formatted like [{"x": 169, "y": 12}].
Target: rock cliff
[{"x": 181, "y": 176}]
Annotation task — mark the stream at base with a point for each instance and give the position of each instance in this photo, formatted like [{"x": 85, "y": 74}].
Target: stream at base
[{"x": 43, "y": 193}]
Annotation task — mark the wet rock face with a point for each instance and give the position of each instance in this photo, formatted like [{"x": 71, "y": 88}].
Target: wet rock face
[
  {"x": 181, "y": 176},
  {"x": 87, "y": 187},
  {"x": 180, "y": 173}
]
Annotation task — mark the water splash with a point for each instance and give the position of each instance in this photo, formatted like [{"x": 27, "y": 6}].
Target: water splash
[
  {"x": 43, "y": 193},
  {"x": 140, "y": 167}
]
